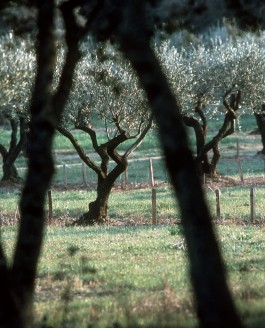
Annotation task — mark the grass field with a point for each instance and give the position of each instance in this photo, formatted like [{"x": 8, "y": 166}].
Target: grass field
[
  {"x": 133, "y": 274},
  {"x": 130, "y": 273},
  {"x": 137, "y": 276},
  {"x": 135, "y": 205}
]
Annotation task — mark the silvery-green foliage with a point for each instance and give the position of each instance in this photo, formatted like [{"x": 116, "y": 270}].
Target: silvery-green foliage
[
  {"x": 240, "y": 66},
  {"x": 178, "y": 71},
  {"x": 17, "y": 73},
  {"x": 208, "y": 73},
  {"x": 188, "y": 72},
  {"x": 106, "y": 89}
]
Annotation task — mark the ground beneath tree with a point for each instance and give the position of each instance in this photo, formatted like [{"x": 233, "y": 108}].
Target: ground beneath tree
[
  {"x": 208, "y": 183},
  {"x": 226, "y": 182}
]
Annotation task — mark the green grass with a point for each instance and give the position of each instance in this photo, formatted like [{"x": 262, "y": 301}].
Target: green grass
[
  {"x": 113, "y": 276},
  {"x": 235, "y": 203},
  {"x": 131, "y": 276},
  {"x": 137, "y": 276},
  {"x": 128, "y": 204},
  {"x": 123, "y": 204}
]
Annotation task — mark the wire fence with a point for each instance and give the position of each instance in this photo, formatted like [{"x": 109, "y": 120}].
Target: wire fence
[
  {"x": 147, "y": 194},
  {"x": 78, "y": 174},
  {"x": 237, "y": 193}
]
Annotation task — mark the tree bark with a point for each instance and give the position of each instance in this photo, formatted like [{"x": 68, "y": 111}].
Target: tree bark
[
  {"x": 227, "y": 128},
  {"x": 45, "y": 113},
  {"x": 203, "y": 164},
  {"x": 40, "y": 169},
  {"x": 260, "y": 119},
  {"x": 10, "y": 312},
  {"x": 10, "y": 172},
  {"x": 215, "y": 307},
  {"x": 98, "y": 209},
  {"x": 19, "y": 279}
]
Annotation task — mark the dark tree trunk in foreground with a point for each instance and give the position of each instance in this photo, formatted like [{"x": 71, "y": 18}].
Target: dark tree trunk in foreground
[
  {"x": 10, "y": 173},
  {"x": 17, "y": 282},
  {"x": 215, "y": 307},
  {"x": 260, "y": 119},
  {"x": 21, "y": 275}
]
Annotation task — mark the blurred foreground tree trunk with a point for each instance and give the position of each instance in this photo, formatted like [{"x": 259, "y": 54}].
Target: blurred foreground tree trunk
[
  {"x": 17, "y": 281},
  {"x": 215, "y": 307}
]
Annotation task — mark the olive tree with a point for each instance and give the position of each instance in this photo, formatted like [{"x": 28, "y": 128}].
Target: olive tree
[
  {"x": 239, "y": 72},
  {"x": 189, "y": 76},
  {"x": 220, "y": 81},
  {"x": 17, "y": 73},
  {"x": 108, "y": 105}
]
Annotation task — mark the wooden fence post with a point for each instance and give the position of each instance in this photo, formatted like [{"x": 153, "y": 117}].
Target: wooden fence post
[
  {"x": 218, "y": 205},
  {"x": 239, "y": 165},
  {"x": 154, "y": 218},
  {"x": 17, "y": 213},
  {"x": 64, "y": 176},
  {"x": 252, "y": 204},
  {"x": 84, "y": 174},
  {"x": 126, "y": 176},
  {"x": 50, "y": 210},
  {"x": 151, "y": 173}
]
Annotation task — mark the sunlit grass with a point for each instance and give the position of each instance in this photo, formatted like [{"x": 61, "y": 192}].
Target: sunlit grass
[
  {"x": 235, "y": 203},
  {"x": 137, "y": 203},
  {"x": 107, "y": 275},
  {"x": 134, "y": 276}
]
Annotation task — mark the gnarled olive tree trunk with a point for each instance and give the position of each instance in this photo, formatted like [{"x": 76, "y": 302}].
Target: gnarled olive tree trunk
[
  {"x": 10, "y": 173},
  {"x": 203, "y": 164},
  {"x": 227, "y": 128},
  {"x": 98, "y": 209}
]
